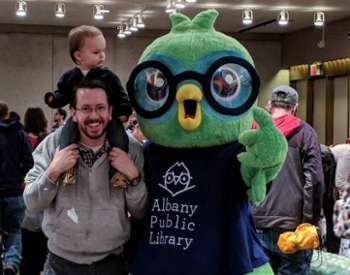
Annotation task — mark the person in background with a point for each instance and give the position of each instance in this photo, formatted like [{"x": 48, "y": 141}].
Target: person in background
[
  {"x": 132, "y": 127},
  {"x": 33, "y": 238},
  {"x": 295, "y": 196},
  {"x": 341, "y": 154},
  {"x": 35, "y": 125},
  {"x": 59, "y": 118},
  {"x": 15, "y": 161},
  {"x": 14, "y": 116},
  {"x": 86, "y": 223},
  {"x": 329, "y": 168}
]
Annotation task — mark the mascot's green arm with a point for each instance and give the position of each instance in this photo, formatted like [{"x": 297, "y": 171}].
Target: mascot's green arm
[
  {"x": 266, "y": 150},
  {"x": 262, "y": 270}
]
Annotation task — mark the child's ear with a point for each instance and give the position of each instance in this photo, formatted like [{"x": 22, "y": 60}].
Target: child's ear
[{"x": 77, "y": 57}]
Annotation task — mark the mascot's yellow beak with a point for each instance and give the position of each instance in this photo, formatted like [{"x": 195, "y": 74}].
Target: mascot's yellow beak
[{"x": 189, "y": 110}]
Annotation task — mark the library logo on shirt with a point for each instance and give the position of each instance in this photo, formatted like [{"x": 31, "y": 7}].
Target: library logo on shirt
[{"x": 177, "y": 179}]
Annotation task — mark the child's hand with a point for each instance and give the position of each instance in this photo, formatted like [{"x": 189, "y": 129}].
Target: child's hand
[
  {"x": 49, "y": 97},
  {"x": 123, "y": 118}
]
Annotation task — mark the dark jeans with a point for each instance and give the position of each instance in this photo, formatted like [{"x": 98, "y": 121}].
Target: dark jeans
[
  {"x": 33, "y": 263},
  {"x": 11, "y": 216},
  {"x": 111, "y": 265},
  {"x": 284, "y": 264}
]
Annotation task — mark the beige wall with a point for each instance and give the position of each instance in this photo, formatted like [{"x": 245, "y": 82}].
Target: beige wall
[
  {"x": 31, "y": 61},
  {"x": 301, "y": 47}
]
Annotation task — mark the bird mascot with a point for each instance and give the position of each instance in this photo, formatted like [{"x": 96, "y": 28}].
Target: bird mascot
[{"x": 194, "y": 91}]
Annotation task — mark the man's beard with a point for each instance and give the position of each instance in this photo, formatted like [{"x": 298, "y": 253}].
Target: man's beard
[{"x": 87, "y": 122}]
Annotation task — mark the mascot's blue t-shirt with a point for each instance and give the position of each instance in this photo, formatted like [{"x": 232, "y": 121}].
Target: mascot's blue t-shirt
[{"x": 199, "y": 218}]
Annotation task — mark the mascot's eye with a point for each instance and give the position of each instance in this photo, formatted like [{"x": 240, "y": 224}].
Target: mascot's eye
[
  {"x": 231, "y": 85},
  {"x": 224, "y": 82},
  {"x": 157, "y": 85},
  {"x": 151, "y": 89}
]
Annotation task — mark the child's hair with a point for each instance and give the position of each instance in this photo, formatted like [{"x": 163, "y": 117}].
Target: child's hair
[{"x": 77, "y": 36}]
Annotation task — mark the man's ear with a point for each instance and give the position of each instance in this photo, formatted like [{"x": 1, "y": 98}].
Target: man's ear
[
  {"x": 73, "y": 114},
  {"x": 110, "y": 113},
  {"x": 295, "y": 108}
]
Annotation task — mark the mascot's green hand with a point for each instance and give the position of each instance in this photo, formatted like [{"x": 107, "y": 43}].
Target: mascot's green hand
[{"x": 266, "y": 150}]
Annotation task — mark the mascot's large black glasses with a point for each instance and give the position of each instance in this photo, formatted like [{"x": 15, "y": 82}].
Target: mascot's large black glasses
[{"x": 230, "y": 85}]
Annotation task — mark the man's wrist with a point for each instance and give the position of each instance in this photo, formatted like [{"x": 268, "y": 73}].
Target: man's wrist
[
  {"x": 135, "y": 179},
  {"x": 53, "y": 176}
]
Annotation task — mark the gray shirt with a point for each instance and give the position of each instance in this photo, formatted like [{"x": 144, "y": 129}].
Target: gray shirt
[
  {"x": 341, "y": 154},
  {"x": 85, "y": 221}
]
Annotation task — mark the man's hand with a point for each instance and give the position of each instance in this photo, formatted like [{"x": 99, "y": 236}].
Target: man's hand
[
  {"x": 121, "y": 161},
  {"x": 63, "y": 160}
]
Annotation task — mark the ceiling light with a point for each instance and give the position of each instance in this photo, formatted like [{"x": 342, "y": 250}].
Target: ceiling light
[
  {"x": 283, "y": 18},
  {"x": 21, "y": 8},
  {"x": 121, "y": 33},
  {"x": 170, "y": 8},
  {"x": 60, "y": 10},
  {"x": 247, "y": 16},
  {"x": 140, "y": 23},
  {"x": 319, "y": 19},
  {"x": 127, "y": 30},
  {"x": 99, "y": 12},
  {"x": 133, "y": 26},
  {"x": 191, "y": 1},
  {"x": 179, "y": 4}
]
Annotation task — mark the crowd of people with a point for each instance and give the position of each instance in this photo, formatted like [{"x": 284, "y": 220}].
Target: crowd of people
[{"x": 81, "y": 224}]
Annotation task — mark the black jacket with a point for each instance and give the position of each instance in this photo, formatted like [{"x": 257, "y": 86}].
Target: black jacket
[
  {"x": 295, "y": 196},
  {"x": 15, "y": 158},
  {"x": 63, "y": 95}
]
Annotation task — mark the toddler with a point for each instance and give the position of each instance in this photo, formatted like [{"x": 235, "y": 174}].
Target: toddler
[{"x": 87, "y": 50}]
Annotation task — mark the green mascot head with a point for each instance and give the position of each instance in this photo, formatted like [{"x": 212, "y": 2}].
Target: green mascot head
[{"x": 195, "y": 86}]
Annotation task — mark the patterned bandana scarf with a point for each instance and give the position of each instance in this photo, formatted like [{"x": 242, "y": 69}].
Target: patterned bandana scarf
[{"x": 88, "y": 156}]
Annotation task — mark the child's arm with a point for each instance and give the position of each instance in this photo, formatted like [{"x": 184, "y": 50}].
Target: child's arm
[{"x": 62, "y": 96}]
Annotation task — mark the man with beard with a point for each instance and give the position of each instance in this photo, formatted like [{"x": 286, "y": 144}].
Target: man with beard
[{"x": 86, "y": 223}]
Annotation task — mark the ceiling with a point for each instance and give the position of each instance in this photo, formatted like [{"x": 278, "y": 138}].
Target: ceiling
[{"x": 41, "y": 12}]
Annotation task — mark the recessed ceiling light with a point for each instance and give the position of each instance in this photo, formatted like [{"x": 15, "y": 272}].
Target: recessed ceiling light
[
  {"x": 21, "y": 8},
  {"x": 319, "y": 19},
  {"x": 180, "y": 4},
  {"x": 60, "y": 10},
  {"x": 247, "y": 16},
  {"x": 133, "y": 26},
  {"x": 99, "y": 12},
  {"x": 140, "y": 23},
  {"x": 283, "y": 18}
]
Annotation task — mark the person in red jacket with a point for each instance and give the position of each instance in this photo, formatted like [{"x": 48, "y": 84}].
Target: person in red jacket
[{"x": 295, "y": 195}]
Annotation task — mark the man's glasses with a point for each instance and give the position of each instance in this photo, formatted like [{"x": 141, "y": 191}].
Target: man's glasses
[
  {"x": 88, "y": 110},
  {"x": 230, "y": 85}
]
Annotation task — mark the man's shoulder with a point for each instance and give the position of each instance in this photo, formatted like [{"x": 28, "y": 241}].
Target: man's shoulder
[
  {"x": 50, "y": 142},
  {"x": 306, "y": 128}
]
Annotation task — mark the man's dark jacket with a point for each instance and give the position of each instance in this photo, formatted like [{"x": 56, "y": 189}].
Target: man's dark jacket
[
  {"x": 15, "y": 158},
  {"x": 295, "y": 196}
]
